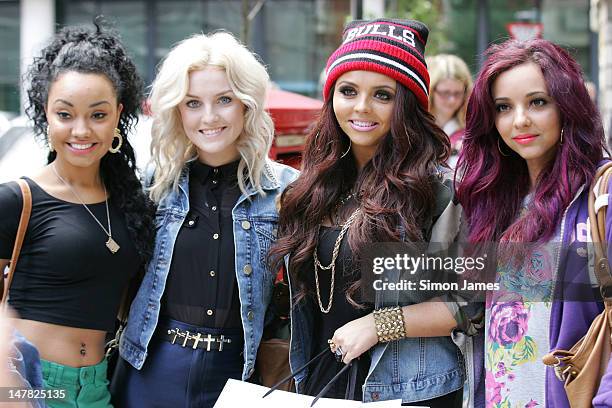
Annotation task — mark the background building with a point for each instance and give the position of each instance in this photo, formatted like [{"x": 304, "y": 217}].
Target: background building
[
  {"x": 601, "y": 22},
  {"x": 294, "y": 37}
]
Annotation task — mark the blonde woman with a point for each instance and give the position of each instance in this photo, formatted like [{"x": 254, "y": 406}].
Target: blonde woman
[
  {"x": 198, "y": 317},
  {"x": 450, "y": 87}
]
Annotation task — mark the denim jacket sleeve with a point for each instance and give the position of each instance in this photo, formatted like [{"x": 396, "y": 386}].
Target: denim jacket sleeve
[
  {"x": 24, "y": 366},
  {"x": 448, "y": 229},
  {"x": 254, "y": 219}
]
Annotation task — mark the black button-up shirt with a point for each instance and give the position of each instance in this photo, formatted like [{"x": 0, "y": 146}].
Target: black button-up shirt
[{"x": 201, "y": 288}]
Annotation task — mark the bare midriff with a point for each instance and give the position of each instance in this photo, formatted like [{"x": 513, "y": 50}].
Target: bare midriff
[{"x": 68, "y": 346}]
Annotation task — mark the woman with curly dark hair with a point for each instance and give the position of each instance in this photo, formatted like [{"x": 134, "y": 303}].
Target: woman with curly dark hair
[
  {"x": 372, "y": 173},
  {"x": 91, "y": 227}
]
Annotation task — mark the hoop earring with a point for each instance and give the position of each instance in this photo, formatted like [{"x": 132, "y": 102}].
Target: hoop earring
[
  {"x": 500, "y": 150},
  {"x": 51, "y": 148},
  {"x": 347, "y": 150},
  {"x": 561, "y": 139},
  {"x": 118, "y": 136}
]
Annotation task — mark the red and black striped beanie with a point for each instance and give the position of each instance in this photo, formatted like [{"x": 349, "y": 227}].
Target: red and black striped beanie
[{"x": 392, "y": 47}]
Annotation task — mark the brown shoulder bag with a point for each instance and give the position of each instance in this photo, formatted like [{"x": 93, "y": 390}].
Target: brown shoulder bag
[
  {"x": 21, "y": 231},
  {"x": 272, "y": 363},
  {"x": 583, "y": 366}
]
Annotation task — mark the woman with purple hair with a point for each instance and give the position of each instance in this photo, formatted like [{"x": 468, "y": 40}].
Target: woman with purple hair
[{"x": 533, "y": 143}]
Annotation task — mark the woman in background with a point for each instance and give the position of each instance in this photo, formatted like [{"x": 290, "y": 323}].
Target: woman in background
[{"x": 450, "y": 87}]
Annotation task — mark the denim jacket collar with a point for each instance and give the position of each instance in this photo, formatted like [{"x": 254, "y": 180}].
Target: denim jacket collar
[{"x": 269, "y": 182}]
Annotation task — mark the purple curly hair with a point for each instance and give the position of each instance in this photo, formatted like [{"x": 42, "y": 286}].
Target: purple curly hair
[{"x": 491, "y": 187}]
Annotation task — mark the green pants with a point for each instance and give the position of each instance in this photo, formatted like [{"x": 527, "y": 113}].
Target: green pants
[{"x": 85, "y": 387}]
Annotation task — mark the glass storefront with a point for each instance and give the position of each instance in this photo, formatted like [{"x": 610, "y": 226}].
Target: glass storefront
[
  {"x": 292, "y": 37},
  {"x": 565, "y": 22},
  {"x": 295, "y": 37}
]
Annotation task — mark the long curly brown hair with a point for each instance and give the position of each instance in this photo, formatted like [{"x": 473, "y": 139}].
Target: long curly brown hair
[{"x": 396, "y": 187}]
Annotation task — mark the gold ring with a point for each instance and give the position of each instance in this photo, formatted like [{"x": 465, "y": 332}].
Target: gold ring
[{"x": 332, "y": 344}]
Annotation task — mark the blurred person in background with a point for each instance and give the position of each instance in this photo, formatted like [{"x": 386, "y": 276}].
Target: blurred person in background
[
  {"x": 592, "y": 89},
  {"x": 450, "y": 87}
]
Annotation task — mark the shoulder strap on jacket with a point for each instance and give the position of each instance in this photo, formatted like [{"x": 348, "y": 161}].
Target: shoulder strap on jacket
[
  {"x": 597, "y": 219},
  {"x": 21, "y": 231}
]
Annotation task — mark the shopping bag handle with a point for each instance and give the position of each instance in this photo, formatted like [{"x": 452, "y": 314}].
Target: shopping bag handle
[
  {"x": 302, "y": 368},
  {"x": 296, "y": 372},
  {"x": 331, "y": 382}
]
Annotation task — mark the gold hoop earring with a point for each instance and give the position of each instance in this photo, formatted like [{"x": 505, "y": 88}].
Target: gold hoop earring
[
  {"x": 118, "y": 136},
  {"x": 347, "y": 150},
  {"x": 500, "y": 150},
  {"x": 51, "y": 148},
  {"x": 561, "y": 139}
]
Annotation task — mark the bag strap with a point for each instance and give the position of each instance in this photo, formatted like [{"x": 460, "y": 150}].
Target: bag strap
[
  {"x": 302, "y": 368},
  {"x": 21, "y": 231},
  {"x": 597, "y": 219},
  {"x": 352, "y": 383},
  {"x": 296, "y": 372}
]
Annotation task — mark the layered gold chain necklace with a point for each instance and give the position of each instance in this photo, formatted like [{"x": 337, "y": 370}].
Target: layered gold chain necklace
[{"x": 332, "y": 265}]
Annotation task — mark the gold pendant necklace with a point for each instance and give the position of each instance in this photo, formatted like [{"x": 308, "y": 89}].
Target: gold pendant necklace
[{"x": 111, "y": 244}]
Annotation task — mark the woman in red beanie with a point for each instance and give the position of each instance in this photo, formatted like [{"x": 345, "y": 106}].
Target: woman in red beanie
[{"x": 372, "y": 173}]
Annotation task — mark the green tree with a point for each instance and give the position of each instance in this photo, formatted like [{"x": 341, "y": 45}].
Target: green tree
[{"x": 427, "y": 11}]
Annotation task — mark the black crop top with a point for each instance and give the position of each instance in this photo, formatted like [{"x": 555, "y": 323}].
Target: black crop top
[{"x": 65, "y": 274}]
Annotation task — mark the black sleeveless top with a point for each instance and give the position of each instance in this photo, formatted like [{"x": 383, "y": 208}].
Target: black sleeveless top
[
  {"x": 341, "y": 312},
  {"x": 65, "y": 274}
]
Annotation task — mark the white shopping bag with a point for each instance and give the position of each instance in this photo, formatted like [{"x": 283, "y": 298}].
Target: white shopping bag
[{"x": 238, "y": 394}]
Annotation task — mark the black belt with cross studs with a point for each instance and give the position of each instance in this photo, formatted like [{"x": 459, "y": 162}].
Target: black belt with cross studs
[{"x": 185, "y": 338}]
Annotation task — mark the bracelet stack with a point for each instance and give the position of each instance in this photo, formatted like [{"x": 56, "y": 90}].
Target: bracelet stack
[{"x": 389, "y": 324}]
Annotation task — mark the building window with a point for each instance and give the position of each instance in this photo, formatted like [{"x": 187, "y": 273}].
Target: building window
[
  {"x": 565, "y": 23},
  {"x": 292, "y": 37}
]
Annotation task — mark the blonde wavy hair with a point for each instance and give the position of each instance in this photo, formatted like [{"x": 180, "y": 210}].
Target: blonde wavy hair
[
  {"x": 447, "y": 66},
  {"x": 249, "y": 80}
]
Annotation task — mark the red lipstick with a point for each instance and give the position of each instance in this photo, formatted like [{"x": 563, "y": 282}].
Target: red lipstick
[{"x": 525, "y": 138}]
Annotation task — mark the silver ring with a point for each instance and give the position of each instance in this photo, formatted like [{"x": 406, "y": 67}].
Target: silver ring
[{"x": 338, "y": 353}]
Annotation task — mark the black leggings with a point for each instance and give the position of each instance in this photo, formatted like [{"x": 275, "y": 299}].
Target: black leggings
[{"x": 452, "y": 400}]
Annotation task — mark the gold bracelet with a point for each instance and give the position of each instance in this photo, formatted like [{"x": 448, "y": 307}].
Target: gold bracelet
[{"x": 389, "y": 324}]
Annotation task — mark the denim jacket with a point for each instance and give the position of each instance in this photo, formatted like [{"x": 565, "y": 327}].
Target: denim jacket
[
  {"x": 24, "y": 366},
  {"x": 255, "y": 219},
  {"x": 411, "y": 369}
]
